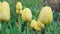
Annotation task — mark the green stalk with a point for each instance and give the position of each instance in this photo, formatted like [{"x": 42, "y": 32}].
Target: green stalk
[
  {"x": 33, "y": 32},
  {"x": 28, "y": 32},
  {"x": 19, "y": 24},
  {"x": 1, "y": 31}
]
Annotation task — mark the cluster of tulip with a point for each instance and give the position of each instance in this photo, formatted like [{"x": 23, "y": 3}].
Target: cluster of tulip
[{"x": 45, "y": 16}]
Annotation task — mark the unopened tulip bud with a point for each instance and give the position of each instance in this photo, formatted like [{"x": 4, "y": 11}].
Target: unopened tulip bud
[
  {"x": 46, "y": 15},
  {"x": 5, "y": 14},
  {"x": 26, "y": 14},
  {"x": 18, "y": 7},
  {"x": 34, "y": 25},
  {"x": 40, "y": 24}
]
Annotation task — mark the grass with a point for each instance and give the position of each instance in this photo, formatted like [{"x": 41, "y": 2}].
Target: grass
[{"x": 35, "y": 6}]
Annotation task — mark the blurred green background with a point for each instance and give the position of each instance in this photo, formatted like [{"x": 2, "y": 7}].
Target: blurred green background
[{"x": 35, "y": 6}]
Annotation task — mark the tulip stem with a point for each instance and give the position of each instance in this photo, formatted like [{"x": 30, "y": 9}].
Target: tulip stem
[
  {"x": 1, "y": 31},
  {"x": 2, "y": 28},
  {"x": 19, "y": 24},
  {"x": 28, "y": 28}
]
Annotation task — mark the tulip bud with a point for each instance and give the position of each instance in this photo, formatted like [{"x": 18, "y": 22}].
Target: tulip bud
[
  {"x": 37, "y": 28},
  {"x": 26, "y": 14},
  {"x": 0, "y": 8},
  {"x": 40, "y": 24},
  {"x": 46, "y": 15},
  {"x": 19, "y": 11},
  {"x": 34, "y": 25},
  {"x": 19, "y": 8},
  {"x": 5, "y": 13}
]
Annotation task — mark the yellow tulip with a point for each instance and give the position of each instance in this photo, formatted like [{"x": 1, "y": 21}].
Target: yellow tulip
[
  {"x": 26, "y": 14},
  {"x": 5, "y": 13},
  {"x": 40, "y": 24},
  {"x": 34, "y": 25},
  {"x": 19, "y": 8},
  {"x": 19, "y": 11},
  {"x": 0, "y": 8},
  {"x": 46, "y": 15},
  {"x": 37, "y": 28}
]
